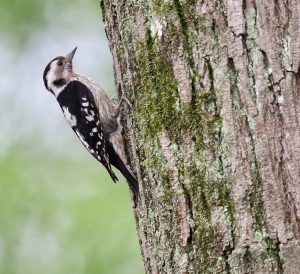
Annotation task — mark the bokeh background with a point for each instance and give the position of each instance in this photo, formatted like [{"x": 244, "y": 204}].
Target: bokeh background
[{"x": 59, "y": 210}]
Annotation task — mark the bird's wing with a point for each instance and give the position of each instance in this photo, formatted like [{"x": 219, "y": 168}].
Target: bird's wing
[
  {"x": 80, "y": 111},
  {"x": 107, "y": 111}
]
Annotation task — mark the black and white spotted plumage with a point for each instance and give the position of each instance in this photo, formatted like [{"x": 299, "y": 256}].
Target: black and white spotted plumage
[
  {"x": 80, "y": 112},
  {"x": 92, "y": 116}
]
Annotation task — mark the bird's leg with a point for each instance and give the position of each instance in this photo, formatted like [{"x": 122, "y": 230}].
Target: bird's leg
[
  {"x": 113, "y": 99},
  {"x": 122, "y": 99}
]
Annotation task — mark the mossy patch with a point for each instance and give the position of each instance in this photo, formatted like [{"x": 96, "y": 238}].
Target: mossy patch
[{"x": 156, "y": 90}]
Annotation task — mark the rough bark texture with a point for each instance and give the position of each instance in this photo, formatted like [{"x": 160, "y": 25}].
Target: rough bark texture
[{"x": 213, "y": 133}]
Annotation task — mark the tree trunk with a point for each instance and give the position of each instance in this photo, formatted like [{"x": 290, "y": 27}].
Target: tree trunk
[{"x": 213, "y": 131}]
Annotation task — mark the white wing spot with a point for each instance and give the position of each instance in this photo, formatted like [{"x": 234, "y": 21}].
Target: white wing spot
[
  {"x": 85, "y": 104},
  {"x": 82, "y": 140},
  {"x": 89, "y": 118},
  {"x": 69, "y": 117},
  {"x": 94, "y": 129},
  {"x": 89, "y": 112}
]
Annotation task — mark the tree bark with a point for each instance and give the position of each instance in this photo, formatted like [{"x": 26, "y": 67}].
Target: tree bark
[{"x": 213, "y": 131}]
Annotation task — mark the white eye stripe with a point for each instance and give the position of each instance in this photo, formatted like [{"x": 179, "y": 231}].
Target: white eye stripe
[{"x": 51, "y": 77}]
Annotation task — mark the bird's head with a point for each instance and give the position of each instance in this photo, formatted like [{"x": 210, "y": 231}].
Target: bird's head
[{"x": 58, "y": 72}]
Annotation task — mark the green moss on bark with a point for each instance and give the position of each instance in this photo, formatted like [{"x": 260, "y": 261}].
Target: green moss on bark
[
  {"x": 158, "y": 108},
  {"x": 156, "y": 92}
]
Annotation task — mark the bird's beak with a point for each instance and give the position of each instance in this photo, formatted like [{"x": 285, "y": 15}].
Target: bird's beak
[{"x": 70, "y": 55}]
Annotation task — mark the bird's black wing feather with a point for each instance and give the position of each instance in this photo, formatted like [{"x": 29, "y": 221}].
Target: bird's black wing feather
[{"x": 78, "y": 106}]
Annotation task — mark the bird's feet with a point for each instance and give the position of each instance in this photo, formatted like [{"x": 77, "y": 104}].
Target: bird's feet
[{"x": 121, "y": 101}]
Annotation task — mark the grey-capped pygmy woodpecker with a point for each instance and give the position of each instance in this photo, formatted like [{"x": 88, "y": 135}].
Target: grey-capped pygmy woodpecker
[{"x": 92, "y": 116}]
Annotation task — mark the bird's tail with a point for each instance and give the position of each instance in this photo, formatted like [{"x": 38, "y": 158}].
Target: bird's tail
[
  {"x": 117, "y": 162},
  {"x": 131, "y": 179},
  {"x": 112, "y": 174}
]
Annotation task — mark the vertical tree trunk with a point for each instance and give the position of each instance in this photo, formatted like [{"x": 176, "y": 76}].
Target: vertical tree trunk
[{"x": 213, "y": 133}]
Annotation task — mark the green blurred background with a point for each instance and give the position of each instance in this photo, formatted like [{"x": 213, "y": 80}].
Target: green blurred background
[{"x": 59, "y": 210}]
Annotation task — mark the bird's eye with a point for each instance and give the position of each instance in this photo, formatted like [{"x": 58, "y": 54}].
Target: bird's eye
[{"x": 60, "y": 63}]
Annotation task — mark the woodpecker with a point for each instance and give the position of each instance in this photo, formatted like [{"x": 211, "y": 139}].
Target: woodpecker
[{"x": 91, "y": 114}]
